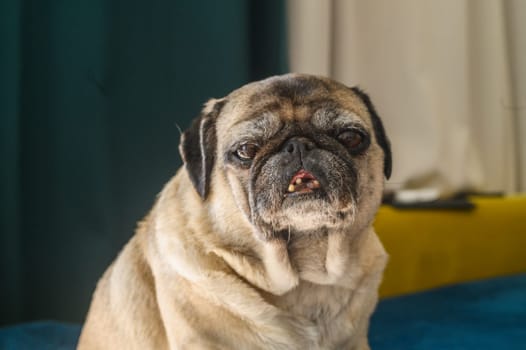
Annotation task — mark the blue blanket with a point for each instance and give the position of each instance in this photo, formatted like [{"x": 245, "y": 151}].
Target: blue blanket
[
  {"x": 486, "y": 315},
  {"x": 39, "y": 336}
]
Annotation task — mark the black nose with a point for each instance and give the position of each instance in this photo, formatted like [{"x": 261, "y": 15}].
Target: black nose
[{"x": 297, "y": 146}]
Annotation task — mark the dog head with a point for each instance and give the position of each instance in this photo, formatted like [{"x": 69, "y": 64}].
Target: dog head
[{"x": 299, "y": 152}]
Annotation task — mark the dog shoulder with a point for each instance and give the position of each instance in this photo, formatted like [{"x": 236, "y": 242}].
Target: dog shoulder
[{"x": 124, "y": 301}]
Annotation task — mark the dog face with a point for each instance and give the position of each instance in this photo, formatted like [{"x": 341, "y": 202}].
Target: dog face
[{"x": 299, "y": 153}]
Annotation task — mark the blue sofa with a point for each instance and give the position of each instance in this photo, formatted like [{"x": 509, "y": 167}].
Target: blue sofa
[{"x": 489, "y": 314}]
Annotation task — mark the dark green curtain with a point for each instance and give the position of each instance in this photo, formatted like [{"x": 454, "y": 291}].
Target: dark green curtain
[{"x": 91, "y": 94}]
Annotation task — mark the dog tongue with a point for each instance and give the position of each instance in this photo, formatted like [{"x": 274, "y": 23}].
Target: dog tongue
[
  {"x": 303, "y": 181},
  {"x": 304, "y": 175}
]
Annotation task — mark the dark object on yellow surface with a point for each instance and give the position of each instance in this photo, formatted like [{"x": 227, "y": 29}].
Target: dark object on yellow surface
[
  {"x": 442, "y": 204},
  {"x": 431, "y": 248}
]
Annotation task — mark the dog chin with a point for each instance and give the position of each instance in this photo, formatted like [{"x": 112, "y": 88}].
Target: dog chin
[{"x": 310, "y": 214}]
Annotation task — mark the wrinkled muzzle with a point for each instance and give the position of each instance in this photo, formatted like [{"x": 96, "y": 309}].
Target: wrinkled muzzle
[{"x": 301, "y": 187}]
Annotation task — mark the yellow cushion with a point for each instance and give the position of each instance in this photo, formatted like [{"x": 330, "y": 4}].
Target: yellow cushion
[{"x": 431, "y": 248}]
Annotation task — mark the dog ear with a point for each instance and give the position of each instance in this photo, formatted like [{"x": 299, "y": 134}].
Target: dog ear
[
  {"x": 379, "y": 131},
  {"x": 198, "y": 146}
]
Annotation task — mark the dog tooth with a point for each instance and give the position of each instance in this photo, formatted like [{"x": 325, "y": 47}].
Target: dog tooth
[
  {"x": 316, "y": 183},
  {"x": 291, "y": 188},
  {"x": 298, "y": 181}
]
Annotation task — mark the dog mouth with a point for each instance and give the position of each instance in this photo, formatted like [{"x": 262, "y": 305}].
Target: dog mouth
[{"x": 303, "y": 182}]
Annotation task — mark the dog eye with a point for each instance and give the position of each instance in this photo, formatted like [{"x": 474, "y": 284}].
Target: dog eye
[
  {"x": 353, "y": 139},
  {"x": 247, "y": 151}
]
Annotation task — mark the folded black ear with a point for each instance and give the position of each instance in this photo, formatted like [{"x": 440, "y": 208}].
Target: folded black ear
[
  {"x": 379, "y": 131},
  {"x": 198, "y": 147}
]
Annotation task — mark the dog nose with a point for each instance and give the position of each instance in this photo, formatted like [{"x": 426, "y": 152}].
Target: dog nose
[{"x": 297, "y": 146}]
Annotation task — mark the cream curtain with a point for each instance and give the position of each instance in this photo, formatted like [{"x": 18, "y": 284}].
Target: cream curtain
[{"x": 447, "y": 76}]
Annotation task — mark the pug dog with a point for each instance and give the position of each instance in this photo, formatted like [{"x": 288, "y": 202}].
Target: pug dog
[{"x": 264, "y": 240}]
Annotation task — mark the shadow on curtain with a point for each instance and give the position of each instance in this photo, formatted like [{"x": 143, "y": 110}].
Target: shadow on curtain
[{"x": 91, "y": 97}]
